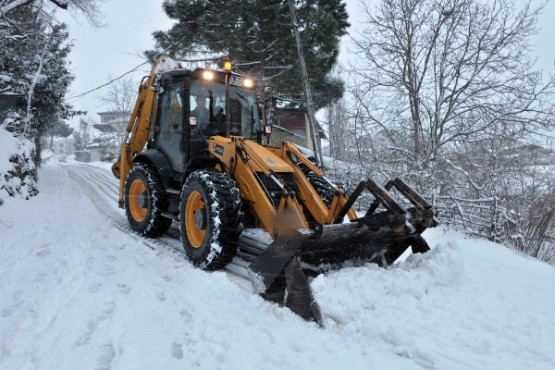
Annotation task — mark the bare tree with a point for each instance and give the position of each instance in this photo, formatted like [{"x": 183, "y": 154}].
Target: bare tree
[
  {"x": 120, "y": 98},
  {"x": 89, "y": 8},
  {"x": 441, "y": 73},
  {"x": 120, "y": 94},
  {"x": 337, "y": 129},
  {"x": 448, "y": 97}
]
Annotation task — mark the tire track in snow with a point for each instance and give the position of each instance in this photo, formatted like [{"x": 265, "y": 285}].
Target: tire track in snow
[
  {"x": 107, "y": 205},
  {"x": 103, "y": 191},
  {"x": 108, "y": 185}
]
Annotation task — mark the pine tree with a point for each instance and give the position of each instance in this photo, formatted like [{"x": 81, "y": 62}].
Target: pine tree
[{"x": 257, "y": 36}]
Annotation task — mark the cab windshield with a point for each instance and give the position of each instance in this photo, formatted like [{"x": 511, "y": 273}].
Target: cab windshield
[{"x": 209, "y": 110}]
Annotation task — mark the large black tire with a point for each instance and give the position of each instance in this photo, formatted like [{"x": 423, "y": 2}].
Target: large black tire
[
  {"x": 210, "y": 218},
  {"x": 145, "y": 199},
  {"x": 322, "y": 187}
]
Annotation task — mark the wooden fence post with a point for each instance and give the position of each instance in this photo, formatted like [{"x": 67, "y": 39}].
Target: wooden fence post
[{"x": 493, "y": 234}]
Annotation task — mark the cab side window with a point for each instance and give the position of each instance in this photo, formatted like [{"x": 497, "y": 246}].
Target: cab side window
[{"x": 170, "y": 135}]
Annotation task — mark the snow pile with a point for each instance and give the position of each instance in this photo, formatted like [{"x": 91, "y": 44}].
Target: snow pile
[
  {"x": 78, "y": 291},
  {"x": 466, "y": 304},
  {"x": 18, "y": 174}
]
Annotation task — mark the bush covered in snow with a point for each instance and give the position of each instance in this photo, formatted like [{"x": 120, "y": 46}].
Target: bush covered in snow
[{"x": 18, "y": 173}]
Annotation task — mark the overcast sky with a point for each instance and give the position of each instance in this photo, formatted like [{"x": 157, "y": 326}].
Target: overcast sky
[
  {"x": 110, "y": 51},
  {"x": 116, "y": 48}
]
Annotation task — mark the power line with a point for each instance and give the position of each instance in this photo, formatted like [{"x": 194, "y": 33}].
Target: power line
[
  {"x": 133, "y": 70},
  {"x": 107, "y": 83},
  {"x": 123, "y": 75}
]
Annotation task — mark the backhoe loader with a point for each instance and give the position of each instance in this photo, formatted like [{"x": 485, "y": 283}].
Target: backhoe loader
[{"x": 194, "y": 155}]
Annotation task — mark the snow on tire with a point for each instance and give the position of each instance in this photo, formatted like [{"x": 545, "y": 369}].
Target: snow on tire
[
  {"x": 145, "y": 199},
  {"x": 210, "y": 218}
]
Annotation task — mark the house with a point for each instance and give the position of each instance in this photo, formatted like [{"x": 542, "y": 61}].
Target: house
[
  {"x": 61, "y": 146},
  {"x": 92, "y": 153},
  {"x": 290, "y": 123},
  {"x": 112, "y": 121}
]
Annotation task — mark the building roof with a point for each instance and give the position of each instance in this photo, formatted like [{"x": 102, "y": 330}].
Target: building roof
[
  {"x": 114, "y": 112},
  {"x": 105, "y": 127}
]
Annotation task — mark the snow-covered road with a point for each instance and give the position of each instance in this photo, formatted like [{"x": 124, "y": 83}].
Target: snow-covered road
[{"x": 78, "y": 290}]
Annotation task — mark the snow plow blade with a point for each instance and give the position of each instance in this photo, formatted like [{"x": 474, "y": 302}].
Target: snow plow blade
[{"x": 279, "y": 269}]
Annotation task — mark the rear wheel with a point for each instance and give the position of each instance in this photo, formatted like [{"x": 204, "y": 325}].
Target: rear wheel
[
  {"x": 145, "y": 199},
  {"x": 210, "y": 218}
]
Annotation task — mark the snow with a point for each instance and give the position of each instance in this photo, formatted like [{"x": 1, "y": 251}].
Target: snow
[
  {"x": 5, "y": 79},
  {"x": 166, "y": 64},
  {"x": 79, "y": 290},
  {"x": 10, "y": 146},
  {"x": 15, "y": 152}
]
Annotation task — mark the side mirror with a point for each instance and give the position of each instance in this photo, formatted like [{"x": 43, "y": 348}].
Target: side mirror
[{"x": 267, "y": 130}]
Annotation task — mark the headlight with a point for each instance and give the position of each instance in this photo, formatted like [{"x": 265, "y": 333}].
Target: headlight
[
  {"x": 248, "y": 83},
  {"x": 208, "y": 75}
]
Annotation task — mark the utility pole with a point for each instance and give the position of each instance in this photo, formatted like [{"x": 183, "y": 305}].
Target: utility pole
[{"x": 306, "y": 86}]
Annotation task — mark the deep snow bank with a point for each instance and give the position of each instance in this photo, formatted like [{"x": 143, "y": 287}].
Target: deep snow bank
[{"x": 466, "y": 304}]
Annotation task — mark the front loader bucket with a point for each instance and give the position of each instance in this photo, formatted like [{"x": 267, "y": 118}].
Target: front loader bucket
[
  {"x": 278, "y": 268},
  {"x": 277, "y": 275}
]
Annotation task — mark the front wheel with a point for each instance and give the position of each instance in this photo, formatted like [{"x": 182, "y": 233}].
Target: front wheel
[
  {"x": 145, "y": 199},
  {"x": 210, "y": 218}
]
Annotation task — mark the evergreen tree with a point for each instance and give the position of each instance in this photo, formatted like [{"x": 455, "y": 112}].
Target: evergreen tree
[
  {"x": 257, "y": 36},
  {"x": 33, "y": 51},
  {"x": 33, "y": 63}
]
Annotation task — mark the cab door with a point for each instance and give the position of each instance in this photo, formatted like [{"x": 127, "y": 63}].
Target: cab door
[{"x": 170, "y": 126}]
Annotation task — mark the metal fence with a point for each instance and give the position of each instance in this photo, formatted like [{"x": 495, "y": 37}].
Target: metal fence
[{"x": 484, "y": 218}]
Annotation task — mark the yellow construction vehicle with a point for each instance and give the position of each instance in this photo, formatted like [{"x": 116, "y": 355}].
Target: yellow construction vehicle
[{"x": 193, "y": 155}]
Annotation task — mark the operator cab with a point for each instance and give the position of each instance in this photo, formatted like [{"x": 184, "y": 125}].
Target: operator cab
[
  {"x": 217, "y": 98},
  {"x": 195, "y": 105}
]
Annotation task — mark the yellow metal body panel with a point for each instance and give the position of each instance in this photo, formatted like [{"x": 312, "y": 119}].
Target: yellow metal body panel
[
  {"x": 306, "y": 192},
  {"x": 243, "y": 159}
]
